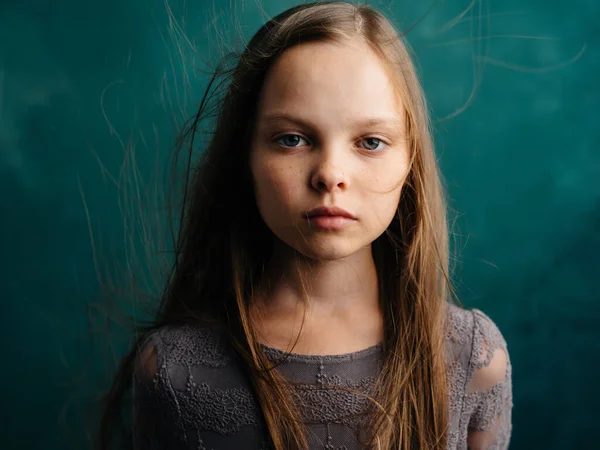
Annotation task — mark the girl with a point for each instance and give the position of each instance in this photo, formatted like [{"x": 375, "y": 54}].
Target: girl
[{"x": 309, "y": 303}]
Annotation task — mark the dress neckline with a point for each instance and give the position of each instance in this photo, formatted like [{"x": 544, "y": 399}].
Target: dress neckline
[{"x": 336, "y": 358}]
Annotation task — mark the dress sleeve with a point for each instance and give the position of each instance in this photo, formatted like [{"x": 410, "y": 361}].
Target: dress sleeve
[
  {"x": 489, "y": 390},
  {"x": 154, "y": 414}
]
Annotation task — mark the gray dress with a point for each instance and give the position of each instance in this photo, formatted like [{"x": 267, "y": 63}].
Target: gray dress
[{"x": 190, "y": 393}]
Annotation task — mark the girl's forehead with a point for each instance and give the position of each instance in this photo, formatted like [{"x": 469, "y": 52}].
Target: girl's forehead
[{"x": 332, "y": 79}]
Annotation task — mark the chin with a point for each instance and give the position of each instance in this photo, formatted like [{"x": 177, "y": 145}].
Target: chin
[
  {"x": 324, "y": 246},
  {"x": 331, "y": 249}
]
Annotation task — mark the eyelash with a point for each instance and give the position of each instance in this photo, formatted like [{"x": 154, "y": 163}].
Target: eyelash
[{"x": 277, "y": 139}]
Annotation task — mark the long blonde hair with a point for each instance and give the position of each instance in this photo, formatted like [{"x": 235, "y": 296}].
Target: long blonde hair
[{"x": 219, "y": 260}]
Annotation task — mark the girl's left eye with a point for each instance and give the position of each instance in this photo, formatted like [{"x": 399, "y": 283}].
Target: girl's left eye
[{"x": 377, "y": 141}]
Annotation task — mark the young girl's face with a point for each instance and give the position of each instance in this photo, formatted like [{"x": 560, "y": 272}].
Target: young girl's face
[{"x": 329, "y": 133}]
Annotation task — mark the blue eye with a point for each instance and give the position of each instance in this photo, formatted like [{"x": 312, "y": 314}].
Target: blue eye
[
  {"x": 378, "y": 141},
  {"x": 291, "y": 140}
]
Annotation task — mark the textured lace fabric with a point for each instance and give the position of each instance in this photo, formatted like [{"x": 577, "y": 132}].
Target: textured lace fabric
[{"x": 191, "y": 393}]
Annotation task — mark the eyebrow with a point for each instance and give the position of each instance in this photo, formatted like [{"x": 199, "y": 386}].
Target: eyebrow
[{"x": 393, "y": 122}]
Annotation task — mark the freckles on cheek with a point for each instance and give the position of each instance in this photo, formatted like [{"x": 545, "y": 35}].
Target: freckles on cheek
[
  {"x": 276, "y": 184},
  {"x": 387, "y": 179},
  {"x": 377, "y": 184}
]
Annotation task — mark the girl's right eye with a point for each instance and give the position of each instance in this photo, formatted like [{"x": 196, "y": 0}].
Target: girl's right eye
[{"x": 288, "y": 140}]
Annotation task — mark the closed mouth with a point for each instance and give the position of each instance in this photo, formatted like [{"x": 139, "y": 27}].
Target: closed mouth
[{"x": 329, "y": 211}]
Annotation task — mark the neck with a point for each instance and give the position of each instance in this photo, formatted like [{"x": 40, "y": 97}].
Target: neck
[
  {"x": 326, "y": 285},
  {"x": 341, "y": 298}
]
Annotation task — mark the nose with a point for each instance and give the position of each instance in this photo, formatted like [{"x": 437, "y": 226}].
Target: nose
[{"x": 329, "y": 175}]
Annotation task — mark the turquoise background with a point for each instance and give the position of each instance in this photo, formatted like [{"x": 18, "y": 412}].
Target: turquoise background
[{"x": 522, "y": 164}]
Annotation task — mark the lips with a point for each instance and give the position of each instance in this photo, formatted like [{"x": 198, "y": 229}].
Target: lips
[
  {"x": 325, "y": 211},
  {"x": 331, "y": 219}
]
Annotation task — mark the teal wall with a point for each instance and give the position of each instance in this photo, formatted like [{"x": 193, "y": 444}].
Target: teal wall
[{"x": 522, "y": 164}]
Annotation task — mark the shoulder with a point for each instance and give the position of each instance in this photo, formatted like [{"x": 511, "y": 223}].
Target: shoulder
[
  {"x": 480, "y": 379},
  {"x": 184, "y": 345},
  {"x": 489, "y": 362},
  {"x": 185, "y": 381},
  {"x": 477, "y": 343}
]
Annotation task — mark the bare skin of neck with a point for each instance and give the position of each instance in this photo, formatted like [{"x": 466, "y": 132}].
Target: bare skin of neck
[{"x": 343, "y": 313}]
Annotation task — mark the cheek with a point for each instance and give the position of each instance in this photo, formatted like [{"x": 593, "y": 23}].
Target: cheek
[
  {"x": 383, "y": 207},
  {"x": 382, "y": 194},
  {"x": 275, "y": 186}
]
